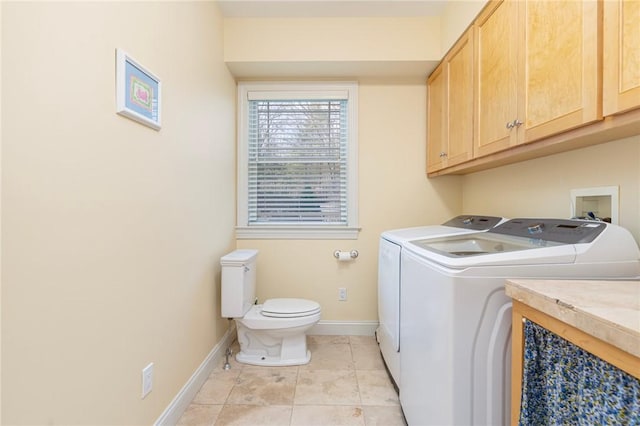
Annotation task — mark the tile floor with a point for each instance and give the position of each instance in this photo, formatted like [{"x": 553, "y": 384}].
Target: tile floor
[{"x": 344, "y": 384}]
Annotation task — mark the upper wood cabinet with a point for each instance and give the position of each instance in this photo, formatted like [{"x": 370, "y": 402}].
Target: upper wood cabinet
[
  {"x": 537, "y": 71},
  {"x": 437, "y": 119},
  {"x": 621, "y": 56},
  {"x": 450, "y": 108},
  {"x": 496, "y": 101},
  {"x": 548, "y": 77}
]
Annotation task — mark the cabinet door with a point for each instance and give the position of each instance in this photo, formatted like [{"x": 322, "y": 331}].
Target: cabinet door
[
  {"x": 621, "y": 56},
  {"x": 436, "y": 119},
  {"x": 450, "y": 108},
  {"x": 560, "y": 77},
  {"x": 496, "y": 59},
  {"x": 460, "y": 101}
]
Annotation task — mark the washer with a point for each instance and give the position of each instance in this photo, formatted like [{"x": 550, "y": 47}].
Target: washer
[
  {"x": 456, "y": 318},
  {"x": 388, "y": 333}
]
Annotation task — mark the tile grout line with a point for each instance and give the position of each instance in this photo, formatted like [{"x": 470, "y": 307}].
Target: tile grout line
[
  {"x": 293, "y": 399},
  {"x": 355, "y": 372}
]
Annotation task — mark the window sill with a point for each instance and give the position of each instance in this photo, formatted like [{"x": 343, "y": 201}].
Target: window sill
[{"x": 287, "y": 232}]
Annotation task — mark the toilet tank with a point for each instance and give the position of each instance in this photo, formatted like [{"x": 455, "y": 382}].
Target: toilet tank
[{"x": 238, "y": 282}]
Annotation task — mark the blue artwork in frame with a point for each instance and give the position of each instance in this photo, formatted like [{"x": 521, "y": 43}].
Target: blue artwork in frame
[{"x": 138, "y": 91}]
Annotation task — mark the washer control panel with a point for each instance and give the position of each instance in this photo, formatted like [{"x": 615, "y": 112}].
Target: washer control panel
[
  {"x": 568, "y": 231},
  {"x": 477, "y": 223}
]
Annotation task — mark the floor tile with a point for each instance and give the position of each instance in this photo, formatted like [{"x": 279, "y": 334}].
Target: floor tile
[
  {"x": 327, "y": 340},
  {"x": 253, "y": 415},
  {"x": 217, "y": 387},
  {"x": 367, "y": 357},
  {"x": 264, "y": 386},
  {"x": 336, "y": 387},
  {"x": 200, "y": 415},
  {"x": 362, "y": 340},
  {"x": 327, "y": 415},
  {"x": 376, "y": 388},
  {"x": 330, "y": 357},
  {"x": 383, "y": 416},
  {"x": 344, "y": 384}
]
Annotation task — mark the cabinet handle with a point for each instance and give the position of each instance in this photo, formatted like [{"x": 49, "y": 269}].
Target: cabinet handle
[
  {"x": 514, "y": 123},
  {"x": 443, "y": 154}
]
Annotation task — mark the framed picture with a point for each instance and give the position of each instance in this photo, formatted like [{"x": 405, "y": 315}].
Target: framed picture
[{"x": 137, "y": 91}]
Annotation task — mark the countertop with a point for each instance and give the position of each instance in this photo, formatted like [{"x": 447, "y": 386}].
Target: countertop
[{"x": 608, "y": 310}]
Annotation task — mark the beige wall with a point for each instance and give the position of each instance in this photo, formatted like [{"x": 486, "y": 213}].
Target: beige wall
[
  {"x": 541, "y": 187},
  {"x": 332, "y": 47},
  {"x": 1, "y": 7},
  {"x": 394, "y": 193},
  {"x": 456, "y": 17},
  {"x": 111, "y": 231},
  {"x": 332, "y": 39}
]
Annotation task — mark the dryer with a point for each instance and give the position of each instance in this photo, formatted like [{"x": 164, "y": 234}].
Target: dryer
[
  {"x": 456, "y": 318},
  {"x": 388, "y": 332}
]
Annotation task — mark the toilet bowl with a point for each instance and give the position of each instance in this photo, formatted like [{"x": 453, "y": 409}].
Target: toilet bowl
[
  {"x": 266, "y": 339},
  {"x": 272, "y": 333}
]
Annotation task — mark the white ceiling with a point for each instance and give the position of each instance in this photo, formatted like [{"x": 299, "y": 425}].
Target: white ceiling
[{"x": 330, "y": 8}]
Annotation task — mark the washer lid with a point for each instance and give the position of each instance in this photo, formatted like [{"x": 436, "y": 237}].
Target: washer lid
[{"x": 287, "y": 308}]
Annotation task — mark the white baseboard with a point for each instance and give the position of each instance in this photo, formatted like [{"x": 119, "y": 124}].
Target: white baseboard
[
  {"x": 177, "y": 407},
  {"x": 344, "y": 328}
]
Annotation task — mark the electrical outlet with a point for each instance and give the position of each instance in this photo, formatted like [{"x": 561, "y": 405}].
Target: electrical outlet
[
  {"x": 147, "y": 380},
  {"x": 342, "y": 294}
]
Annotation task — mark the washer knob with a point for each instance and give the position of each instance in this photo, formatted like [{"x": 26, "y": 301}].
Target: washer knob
[{"x": 535, "y": 229}]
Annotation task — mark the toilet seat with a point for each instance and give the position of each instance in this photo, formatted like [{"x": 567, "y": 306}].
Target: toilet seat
[
  {"x": 289, "y": 308},
  {"x": 256, "y": 320}
]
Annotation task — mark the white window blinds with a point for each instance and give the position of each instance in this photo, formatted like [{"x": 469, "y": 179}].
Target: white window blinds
[{"x": 297, "y": 160}]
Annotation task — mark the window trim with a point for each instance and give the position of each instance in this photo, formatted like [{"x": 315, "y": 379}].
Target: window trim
[{"x": 297, "y": 231}]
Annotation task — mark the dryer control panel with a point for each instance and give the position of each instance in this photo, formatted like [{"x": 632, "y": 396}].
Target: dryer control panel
[{"x": 567, "y": 231}]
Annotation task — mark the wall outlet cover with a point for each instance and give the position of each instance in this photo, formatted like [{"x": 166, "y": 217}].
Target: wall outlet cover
[
  {"x": 147, "y": 380},
  {"x": 342, "y": 294}
]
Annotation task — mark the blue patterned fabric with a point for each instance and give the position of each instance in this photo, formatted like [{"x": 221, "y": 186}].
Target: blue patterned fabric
[{"x": 563, "y": 384}]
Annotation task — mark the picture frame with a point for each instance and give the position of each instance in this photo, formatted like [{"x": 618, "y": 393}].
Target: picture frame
[{"x": 138, "y": 91}]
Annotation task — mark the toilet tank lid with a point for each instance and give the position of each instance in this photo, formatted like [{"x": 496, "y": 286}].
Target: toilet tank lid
[
  {"x": 289, "y": 306},
  {"x": 238, "y": 257}
]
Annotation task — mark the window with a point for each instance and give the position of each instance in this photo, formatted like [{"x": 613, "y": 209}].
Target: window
[{"x": 297, "y": 160}]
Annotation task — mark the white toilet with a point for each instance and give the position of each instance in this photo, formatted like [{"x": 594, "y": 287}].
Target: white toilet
[{"x": 273, "y": 333}]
